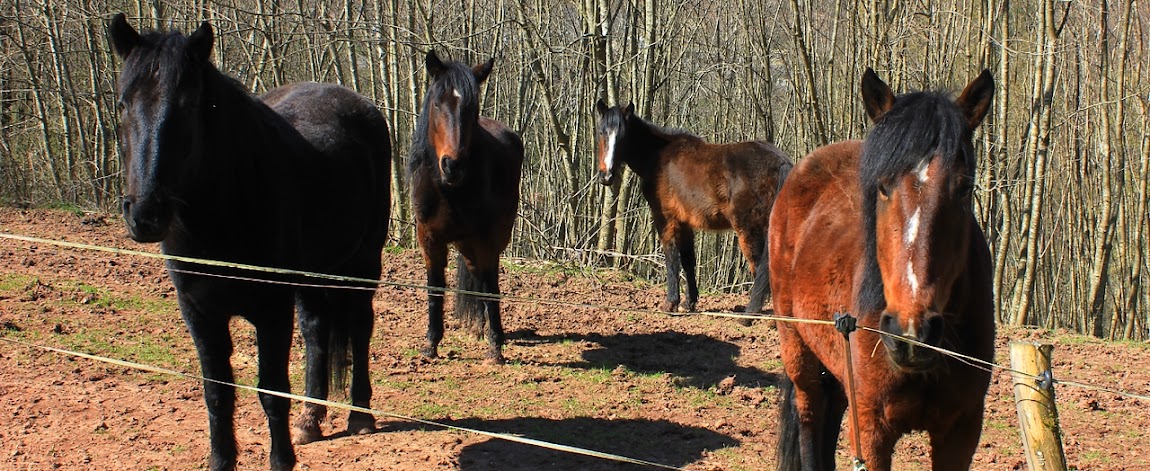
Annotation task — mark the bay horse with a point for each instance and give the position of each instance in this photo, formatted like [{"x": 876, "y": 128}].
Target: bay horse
[
  {"x": 692, "y": 184},
  {"x": 883, "y": 229},
  {"x": 297, "y": 179},
  {"x": 464, "y": 173}
]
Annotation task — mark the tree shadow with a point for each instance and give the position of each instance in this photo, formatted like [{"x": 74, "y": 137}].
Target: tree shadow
[
  {"x": 695, "y": 360},
  {"x": 656, "y": 441}
]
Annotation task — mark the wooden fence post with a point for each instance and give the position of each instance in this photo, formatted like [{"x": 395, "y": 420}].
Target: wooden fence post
[{"x": 1037, "y": 413}]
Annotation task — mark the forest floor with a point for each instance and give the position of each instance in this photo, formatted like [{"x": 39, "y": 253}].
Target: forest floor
[{"x": 696, "y": 392}]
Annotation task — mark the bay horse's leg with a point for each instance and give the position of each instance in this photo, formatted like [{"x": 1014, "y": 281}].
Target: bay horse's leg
[
  {"x": 273, "y": 337},
  {"x": 754, "y": 248},
  {"x": 877, "y": 441},
  {"x": 316, "y": 331},
  {"x": 669, "y": 235},
  {"x": 687, "y": 256},
  {"x": 954, "y": 449},
  {"x": 435, "y": 261},
  {"x": 214, "y": 345},
  {"x": 361, "y": 316},
  {"x": 810, "y": 401},
  {"x": 494, "y": 322}
]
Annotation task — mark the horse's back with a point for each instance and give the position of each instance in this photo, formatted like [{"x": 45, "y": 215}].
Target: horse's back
[
  {"x": 815, "y": 229},
  {"x": 346, "y": 181}
]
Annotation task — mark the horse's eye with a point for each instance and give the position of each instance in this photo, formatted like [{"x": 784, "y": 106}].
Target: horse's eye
[{"x": 883, "y": 191}]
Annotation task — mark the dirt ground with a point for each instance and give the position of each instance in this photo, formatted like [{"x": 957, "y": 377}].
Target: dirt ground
[{"x": 695, "y": 392}]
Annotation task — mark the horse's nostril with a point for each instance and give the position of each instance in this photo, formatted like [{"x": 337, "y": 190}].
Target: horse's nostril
[
  {"x": 932, "y": 330},
  {"x": 889, "y": 323}
]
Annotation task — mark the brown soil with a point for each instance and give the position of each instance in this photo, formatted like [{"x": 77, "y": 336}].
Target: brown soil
[{"x": 692, "y": 391}]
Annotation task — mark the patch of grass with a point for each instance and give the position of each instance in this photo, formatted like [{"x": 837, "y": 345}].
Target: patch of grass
[
  {"x": 104, "y": 298},
  {"x": 1095, "y": 456},
  {"x": 432, "y": 410},
  {"x": 15, "y": 282}
]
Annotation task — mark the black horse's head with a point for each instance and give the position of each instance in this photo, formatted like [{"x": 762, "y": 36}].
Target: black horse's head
[
  {"x": 609, "y": 135},
  {"x": 160, "y": 95},
  {"x": 452, "y": 112}
]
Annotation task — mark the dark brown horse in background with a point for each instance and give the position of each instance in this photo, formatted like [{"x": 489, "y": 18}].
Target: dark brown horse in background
[
  {"x": 884, "y": 229},
  {"x": 465, "y": 172},
  {"x": 691, "y": 184},
  {"x": 297, "y": 179}
]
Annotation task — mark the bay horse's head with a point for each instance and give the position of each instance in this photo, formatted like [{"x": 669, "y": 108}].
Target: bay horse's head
[
  {"x": 160, "y": 97},
  {"x": 609, "y": 133},
  {"x": 917, "y": 175},
  {"x": 452, "y": 112}
]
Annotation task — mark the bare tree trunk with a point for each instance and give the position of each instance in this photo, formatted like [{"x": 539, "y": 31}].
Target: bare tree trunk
[{"x": 1037, "y": 152}]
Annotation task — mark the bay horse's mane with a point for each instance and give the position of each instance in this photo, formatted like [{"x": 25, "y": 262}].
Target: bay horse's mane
[
  {"x": 665, "y": 132},
  {"x": 919, "y": 126}
]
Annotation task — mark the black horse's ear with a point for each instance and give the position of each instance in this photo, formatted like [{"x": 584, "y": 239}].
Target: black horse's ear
[
  {"x": 481, "y": 71},
  {"x": 629, "y": 109},
  {"x": 433, "y": 64},
  {"x": 601, "y": 107},
  {"x": 199, "y": 46},
  {"x": 122, "y": 36},
  {"x": 975, "y": 99},
  {"x": 877, "y": 97}
]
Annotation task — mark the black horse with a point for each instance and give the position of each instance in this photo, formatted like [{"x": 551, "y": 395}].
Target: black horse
[
  {"x": 297, "y": 179},
  {"x": 465, "y": 172}
]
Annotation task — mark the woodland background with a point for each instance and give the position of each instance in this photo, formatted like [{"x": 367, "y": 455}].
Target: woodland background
[{"x": 1062, "y": 184}]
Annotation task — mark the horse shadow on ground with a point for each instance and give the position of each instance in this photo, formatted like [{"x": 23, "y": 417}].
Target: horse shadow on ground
[
  {"x": 693, "y": 360},
  {"x": 647, "y": 440}
]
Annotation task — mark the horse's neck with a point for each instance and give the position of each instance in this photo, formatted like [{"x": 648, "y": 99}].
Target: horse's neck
[{"x": 644, "y": 146}]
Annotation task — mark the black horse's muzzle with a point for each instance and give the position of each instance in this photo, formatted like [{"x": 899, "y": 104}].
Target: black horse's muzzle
[{"x": 147, "y": 220}]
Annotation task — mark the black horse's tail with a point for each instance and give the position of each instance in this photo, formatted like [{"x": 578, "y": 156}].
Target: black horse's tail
[
  {"x": 784, "y": 172},
  {"x": 339, "y": 353},
  {"x": 469, "y": 307},
  {"x": 789, "y": 453}
]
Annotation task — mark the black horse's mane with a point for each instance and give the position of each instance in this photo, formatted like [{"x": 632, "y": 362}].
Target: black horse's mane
[
  {"x": 163, "y": 52},
  {"x": 456, "y": 76},
  {"x": 918, "y": 126}
]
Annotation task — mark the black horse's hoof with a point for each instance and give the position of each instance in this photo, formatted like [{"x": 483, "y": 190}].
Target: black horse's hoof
[
  {"x": 429, "y": 352},
  {"x": 359, "y": 423}
]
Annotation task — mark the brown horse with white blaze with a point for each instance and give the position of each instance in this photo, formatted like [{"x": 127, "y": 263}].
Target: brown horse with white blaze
[
  {"x": 883, "y": 229},
  {"x": 465, "y": 171},
  {"x": 692, "y": 184}
]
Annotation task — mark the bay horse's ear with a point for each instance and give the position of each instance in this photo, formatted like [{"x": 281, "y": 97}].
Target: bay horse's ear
[
  {"x": 481, "y": 71},
  {"x": 629, "y": 109},
  {"x": 975, "y": 99},
  {"x": 199, "y": 46},
  {"x": 877, "y": 97},
  {"x": 601, "y": 107},
  {"x": 122, "y": 36},
  {"x": 433, "y": 64}
]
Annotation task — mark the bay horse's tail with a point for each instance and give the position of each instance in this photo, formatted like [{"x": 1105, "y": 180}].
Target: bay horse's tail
[
  {"x": 789, "y": 453},
  {"x": 469, "y": 307}
]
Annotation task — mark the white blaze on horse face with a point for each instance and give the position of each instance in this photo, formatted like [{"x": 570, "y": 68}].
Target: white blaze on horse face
[
  {"x": 910, "y": 235},
  {"x": 609, "y": 156}
]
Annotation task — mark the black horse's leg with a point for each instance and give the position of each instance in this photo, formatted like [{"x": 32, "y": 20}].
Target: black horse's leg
[
  {"x": 362, "y": 321},
  {"x": 494, "y": 322},
  {"x": 214, "y": 345},
  {"x": 435, "y": 261},
  {"x": 273, "y": 336},
  {"x": 687, "y": 255},
  {"x": 670, "y": 238},
  {"x": 316, "y": 331}
]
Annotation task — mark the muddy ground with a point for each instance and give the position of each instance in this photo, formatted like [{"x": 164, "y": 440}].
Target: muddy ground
[{"x": 695, "y": 392}]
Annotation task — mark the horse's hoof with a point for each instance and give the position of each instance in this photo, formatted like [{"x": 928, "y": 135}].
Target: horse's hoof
[
  {"x": 670, "y": 306},
  {"x": 494, "y": 358},
  {"x": 743, "y": 321},
  {"x": 429, "y": 352},
  {"x": 306, "y": 428},
  {"x": 359, "y": 423},
  {"x": 304, "y": 435},
  {"x": 689, "y": 307}
]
